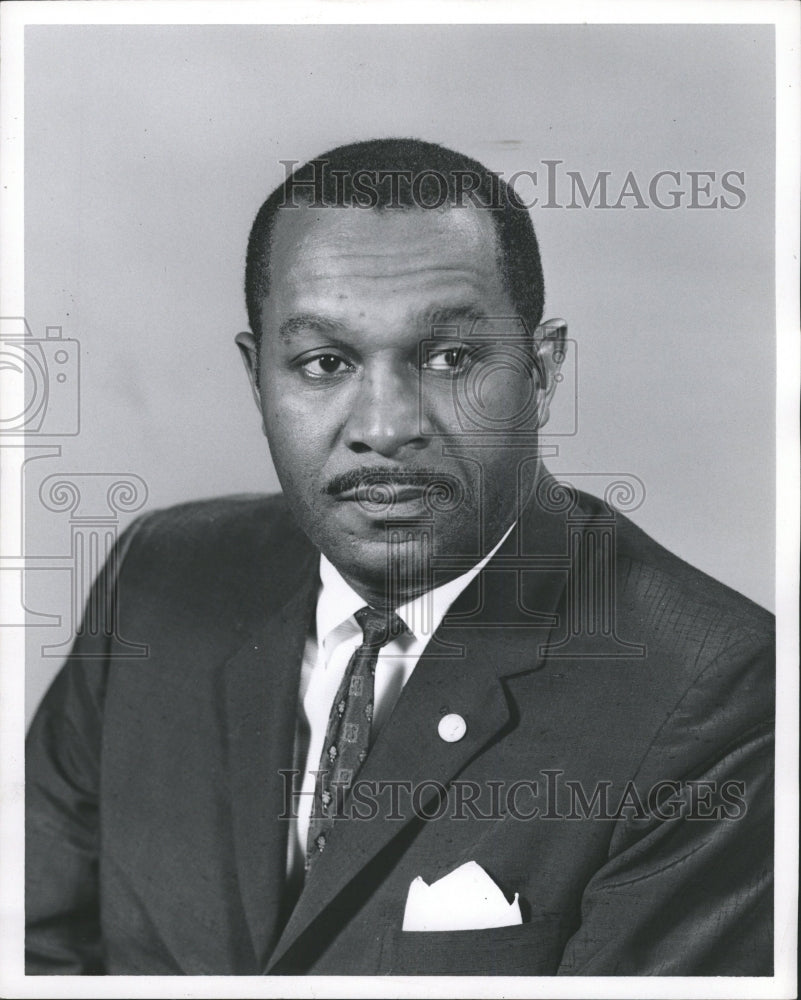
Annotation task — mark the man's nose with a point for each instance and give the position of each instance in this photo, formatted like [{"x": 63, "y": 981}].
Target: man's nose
[{"x": 386, "y": 415}]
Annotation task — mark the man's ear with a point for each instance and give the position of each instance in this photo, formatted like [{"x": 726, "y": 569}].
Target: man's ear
[
  {"x": 249, "y": 351},
  {"x": 551, "y": 340}
]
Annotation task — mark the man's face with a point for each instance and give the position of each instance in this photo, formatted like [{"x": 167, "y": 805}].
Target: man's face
[{"x": 386, "y": 366}]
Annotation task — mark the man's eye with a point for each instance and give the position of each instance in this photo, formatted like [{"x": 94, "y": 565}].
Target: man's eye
[
  {"x": 325, "y": 365},
  {"x": 450, "y": 360}
]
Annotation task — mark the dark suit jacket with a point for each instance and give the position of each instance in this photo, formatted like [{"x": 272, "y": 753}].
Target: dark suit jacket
[{"x": 153, "y": 784}]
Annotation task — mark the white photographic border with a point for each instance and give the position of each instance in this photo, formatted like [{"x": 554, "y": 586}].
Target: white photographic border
[{"x": 785, "y": 16}]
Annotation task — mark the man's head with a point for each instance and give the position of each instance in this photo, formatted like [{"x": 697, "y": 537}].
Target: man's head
[{"x": 395, "y": 355}]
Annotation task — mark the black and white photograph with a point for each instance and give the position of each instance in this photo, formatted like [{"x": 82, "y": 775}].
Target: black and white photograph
[{"x": 400, "y": 499}]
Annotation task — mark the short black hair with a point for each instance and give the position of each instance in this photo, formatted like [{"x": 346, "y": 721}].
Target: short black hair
[{"x": 383, "y": 174}]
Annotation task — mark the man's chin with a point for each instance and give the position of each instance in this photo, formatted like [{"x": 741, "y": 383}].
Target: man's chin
[
  {"x": 382, "y": 556},
  {"x": 398, "y": 562}
]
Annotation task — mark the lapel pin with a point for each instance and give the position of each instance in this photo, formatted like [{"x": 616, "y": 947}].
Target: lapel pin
[{"x": 451, "y": 728}]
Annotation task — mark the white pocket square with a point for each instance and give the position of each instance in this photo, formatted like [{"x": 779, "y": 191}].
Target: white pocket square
[{"x": 465, "y": 899}]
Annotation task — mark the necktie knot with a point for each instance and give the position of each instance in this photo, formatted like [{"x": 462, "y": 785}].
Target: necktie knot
[{"x": 378, "y": 627}]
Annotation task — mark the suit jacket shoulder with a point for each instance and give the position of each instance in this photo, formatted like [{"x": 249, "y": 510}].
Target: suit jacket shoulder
[
  {"x": 658, "y": 574},
  {"x": 669, "y": 601},
  {"x": 239, "y": 529},
  {"x": 220, "y": 562}
]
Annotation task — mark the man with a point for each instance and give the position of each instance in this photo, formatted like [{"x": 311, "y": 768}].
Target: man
[{"x": 429, "y": 712}]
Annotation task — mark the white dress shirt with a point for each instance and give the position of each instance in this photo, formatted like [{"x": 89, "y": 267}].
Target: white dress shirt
[{"x": 325, "y": 659}]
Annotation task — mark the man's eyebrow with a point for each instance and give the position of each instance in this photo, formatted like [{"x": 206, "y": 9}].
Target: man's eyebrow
[
  {"x": 308, "y": 322},
  {"x": 455, "y": 315}
]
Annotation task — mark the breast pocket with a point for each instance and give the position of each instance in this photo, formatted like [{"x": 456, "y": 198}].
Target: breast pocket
[{"x": 530, "y": 949}]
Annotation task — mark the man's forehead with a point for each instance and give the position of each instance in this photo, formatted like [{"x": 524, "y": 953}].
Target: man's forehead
[{"x": 331, "y": 241}]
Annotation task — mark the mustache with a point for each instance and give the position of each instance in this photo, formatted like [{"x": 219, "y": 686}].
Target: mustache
[{"x": 367, "y": 477}]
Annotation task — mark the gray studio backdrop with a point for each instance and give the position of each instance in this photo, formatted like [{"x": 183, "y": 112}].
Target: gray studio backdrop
[{"x": 149, "y": 149}]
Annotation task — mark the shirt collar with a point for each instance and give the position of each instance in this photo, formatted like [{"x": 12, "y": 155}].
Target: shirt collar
[{"x": 338, "y": 601}]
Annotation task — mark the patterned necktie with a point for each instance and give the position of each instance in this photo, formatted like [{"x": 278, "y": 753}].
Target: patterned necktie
[{"x": 347, "y": 738}]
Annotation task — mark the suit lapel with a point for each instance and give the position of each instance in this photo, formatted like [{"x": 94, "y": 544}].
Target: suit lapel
[
  {"x": 497, "y": 637},
  {"x": 261, "y": 691}
]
